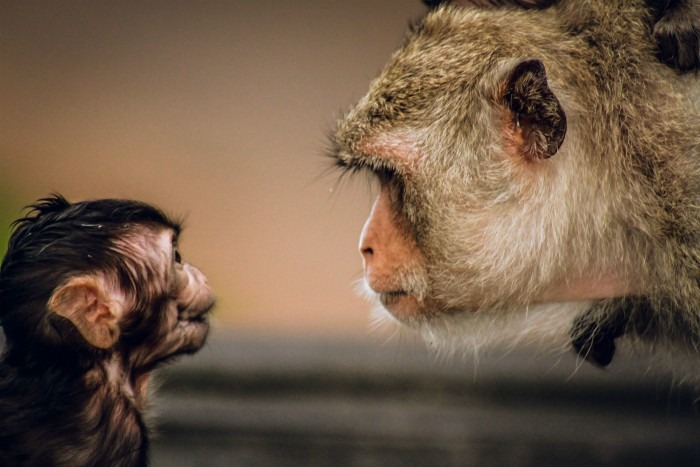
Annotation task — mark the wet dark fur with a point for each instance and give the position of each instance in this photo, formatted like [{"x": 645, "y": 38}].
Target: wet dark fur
[{"x": 64, "y": 402}]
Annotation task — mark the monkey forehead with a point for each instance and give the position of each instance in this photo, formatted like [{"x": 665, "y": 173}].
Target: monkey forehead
[
  {"x": 148, "y": 247},
  {"x": 445, "y": 71}
]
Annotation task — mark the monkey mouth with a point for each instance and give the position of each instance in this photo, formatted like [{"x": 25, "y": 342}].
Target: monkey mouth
[
  {"x": 201, "y": 319},
  {"x": 193, "y": 325},
  {"x": 196, "y": 328},
  {"x": 403, "y": 305},
  {"x": 198, "y": 316}
]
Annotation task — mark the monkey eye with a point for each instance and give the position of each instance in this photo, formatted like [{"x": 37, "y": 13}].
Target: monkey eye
[
  {"x": 386, "y": 175},
  {"x": 178, "y": 258}
]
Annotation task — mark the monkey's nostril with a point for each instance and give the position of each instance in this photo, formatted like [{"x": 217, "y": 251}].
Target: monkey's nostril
[{"x": 367, "y": 251}]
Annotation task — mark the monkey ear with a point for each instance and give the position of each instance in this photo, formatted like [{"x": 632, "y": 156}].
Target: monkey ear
[
  {"x": 87, "y": 303},
  {"x": 537, "y": 122}
]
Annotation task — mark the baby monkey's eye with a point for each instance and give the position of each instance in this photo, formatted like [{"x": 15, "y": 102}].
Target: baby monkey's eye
[{"x": 178, "y": 258}]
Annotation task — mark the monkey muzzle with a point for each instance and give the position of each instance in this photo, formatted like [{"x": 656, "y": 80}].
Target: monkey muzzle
[{"x": 197, "y": 316}]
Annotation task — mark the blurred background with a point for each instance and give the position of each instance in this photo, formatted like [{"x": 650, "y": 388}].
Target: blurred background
[{"x": 219, "y": 111}]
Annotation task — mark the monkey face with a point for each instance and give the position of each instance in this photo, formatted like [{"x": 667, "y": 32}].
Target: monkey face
[
  {"x": 393, "y": 262},
  {"x": 409, "y": 263},
  {"x": 173, "y": 318},
  {"x": 161, "y": 310},
  {"x": 102, "y": 279},
  {"x": 193, "y": 299},
  {"x": 490, "y": 199}
]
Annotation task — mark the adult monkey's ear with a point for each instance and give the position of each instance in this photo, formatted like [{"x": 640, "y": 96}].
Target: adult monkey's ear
[
  {"x": 536, "y": 122},
  {"x": 92, "y": 307}
]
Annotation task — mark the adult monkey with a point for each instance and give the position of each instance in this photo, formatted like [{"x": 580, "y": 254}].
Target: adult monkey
[{"x": 539, "y": 178}]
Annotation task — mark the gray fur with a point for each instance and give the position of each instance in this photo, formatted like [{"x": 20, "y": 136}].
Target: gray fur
[{"x": 620, "y": 196}]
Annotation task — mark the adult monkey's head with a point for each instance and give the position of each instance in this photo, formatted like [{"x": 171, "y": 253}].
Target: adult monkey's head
[{"x": 533, "y": 165}]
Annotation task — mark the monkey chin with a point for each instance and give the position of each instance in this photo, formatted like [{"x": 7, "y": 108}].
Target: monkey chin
[
  {"x": 193, "y": 326},
  {"x": 539, "y": 327},
  {"x": 451, "y": 330},
  {"x": 407, "y": 309},
  {"x": 402, "y": 305},
  {"x": 195, "y": 332}
]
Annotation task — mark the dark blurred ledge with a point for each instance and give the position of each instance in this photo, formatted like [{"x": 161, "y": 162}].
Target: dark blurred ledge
[{"x": 262, "y": 400}]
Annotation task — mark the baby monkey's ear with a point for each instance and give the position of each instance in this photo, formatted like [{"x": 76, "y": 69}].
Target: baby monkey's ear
[{"x": 92, "y": 306}]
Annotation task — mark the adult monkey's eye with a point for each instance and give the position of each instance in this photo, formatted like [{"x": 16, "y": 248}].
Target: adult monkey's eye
[{"x": 178, "y": 258}]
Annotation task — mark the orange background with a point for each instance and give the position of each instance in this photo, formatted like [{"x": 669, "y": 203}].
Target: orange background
[{"x": 214, "y": 110}]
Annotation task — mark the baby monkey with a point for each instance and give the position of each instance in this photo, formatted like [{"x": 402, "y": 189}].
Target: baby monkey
[{"x": 94, "y": 296}]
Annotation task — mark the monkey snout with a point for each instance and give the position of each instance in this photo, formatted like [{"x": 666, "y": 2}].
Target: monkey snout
[
  {"x": 195, "y": 275},
  {"x": 196, "y": 297},
  {"x": 198, "y": 308},
  {"x": 386, "y": 245},
  {"x": 382, "y": 271},
  {"x": 376, "y": 261},
  {"x": 367, "y": 252}
]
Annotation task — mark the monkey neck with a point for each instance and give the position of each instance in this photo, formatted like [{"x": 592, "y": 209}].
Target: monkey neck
[
  {"x": 595, "y": 287},
  {"x": 92, "y": 407},
  {"x": 117, "y": 374},
  {"x": 86, "y": 367},
  {"x": 47, "y": 361}
]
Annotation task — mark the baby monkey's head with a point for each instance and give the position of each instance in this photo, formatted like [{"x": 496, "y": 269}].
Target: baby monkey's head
[{"x": 90, "y": 279}]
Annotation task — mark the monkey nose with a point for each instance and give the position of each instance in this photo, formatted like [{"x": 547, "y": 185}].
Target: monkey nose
[
  {"x": 367, "y": 257},
  {"x": 367, "y": 251},
  {"x": 367, "y": 245}
]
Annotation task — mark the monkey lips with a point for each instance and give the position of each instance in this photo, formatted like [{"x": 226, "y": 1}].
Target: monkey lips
[{"x": 400, "y": 304}]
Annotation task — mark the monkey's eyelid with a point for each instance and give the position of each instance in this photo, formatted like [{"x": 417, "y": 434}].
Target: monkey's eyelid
[
  {"x": 376, "y": 167},
  {"x": 349, "y": 165},
  {"x": 352, "y": 168}
]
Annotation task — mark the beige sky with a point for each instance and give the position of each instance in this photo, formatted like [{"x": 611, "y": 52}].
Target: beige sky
[{"x": 215, "y": 110}]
